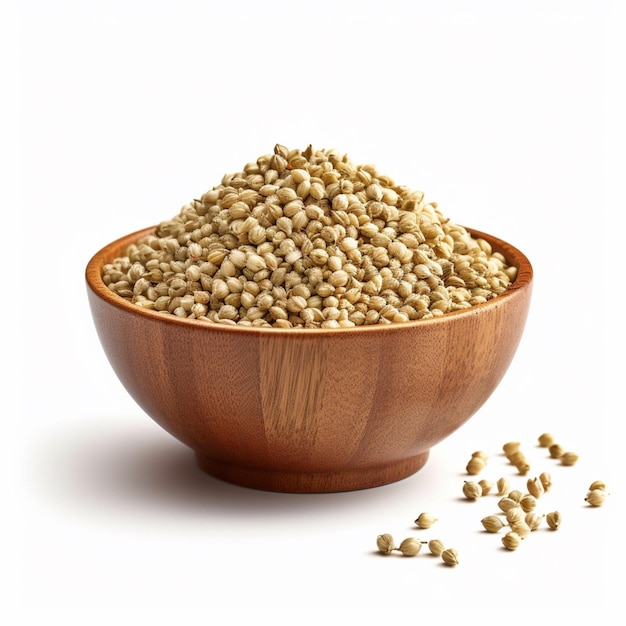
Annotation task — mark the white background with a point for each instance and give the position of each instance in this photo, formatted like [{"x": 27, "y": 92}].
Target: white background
[{"x": 505, "y": 113}]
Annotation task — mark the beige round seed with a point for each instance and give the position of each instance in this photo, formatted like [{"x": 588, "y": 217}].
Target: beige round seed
[
  {"x": 553, "y": 520},
  {"x": 503, "y": 486},
  {"x": 485, "y": 486},
  {"x": 410, "y": 546},
  {"x": 533, "y": 520},
  {"x": 568, "y": 458},
  {"x": 546, "y": 440},
  {"x": 475, "y": 465},
  {"x": 425, "y": 520},
  {"x": 492, "y": 523},
  {"x": 596, "y": 497},
  {"x": 436, "y": 546},
  {"x": 450, "y": 557},
  {"x": 385, "y": 543},
  {"x": 556, "y": 451},
  {"x": 535, "y": 487},
  {"x": 511, "y": 540},
  {"x": 472, "y": 490}
]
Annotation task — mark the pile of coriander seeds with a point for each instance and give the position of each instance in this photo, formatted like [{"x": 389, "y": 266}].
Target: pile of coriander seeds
[
  {"x": 517, "y": 512},
  {"x": 307, "y": 239}
]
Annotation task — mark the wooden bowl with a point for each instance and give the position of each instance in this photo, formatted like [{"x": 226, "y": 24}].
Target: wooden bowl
[{"x": 308, "y": 410}]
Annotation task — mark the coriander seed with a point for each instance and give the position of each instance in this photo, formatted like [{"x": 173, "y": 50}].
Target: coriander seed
[
  {"x": 475, "y": 465},
  {"x": 385, "y": 543},
  {"x": 502, "y": 486},
  {"x": 450, "y": 557},
  {"x": 535, "y": 487},
  {"x": 472, "y": 490},
  {"x": 521, "y": 528},
  {"x": 528, "y": 503},
  {"x": 546, "y": 481},
  {"x": 436, "y": 547},
  {"x": 485, "y": 486},
  {"x": 545, "y": 440},
  {"x": 568, "y": 458},
  {"x": 511, "y": 540},
  {"x": 596, "y": 497},
  {"x": 504, "y": 504},
  {"x": 533, "y": 520},
  {"x": 410, "y": 547},
  {"x": 492, "y": 523},
  {"x": 514, "y": 514},
  {"x": 553, "y": 520},
  {"x": 510, "y": 447},
  {"x": 425, "y": 520},
  {"x": 556, "y": 451}
]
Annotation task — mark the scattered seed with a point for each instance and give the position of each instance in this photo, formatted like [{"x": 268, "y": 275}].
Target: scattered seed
[
  {"x": 472, "y": 490},
  {"x": 385, "y": 543},
  {"x": 511, "y": 540},
  {"x": 425, "y": 520},
  {"x": 596, "y": 497},
  {"x": 553, "y": 520},
  {"x": 410, "y": 547},
  {"x": 546, "y": 440},
  {"x": 450, "y": 557},
  {"x": 568, "y": 458}
]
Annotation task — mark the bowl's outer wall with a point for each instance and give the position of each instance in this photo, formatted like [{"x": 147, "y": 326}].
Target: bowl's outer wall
[{"x": 308, "y": 401}]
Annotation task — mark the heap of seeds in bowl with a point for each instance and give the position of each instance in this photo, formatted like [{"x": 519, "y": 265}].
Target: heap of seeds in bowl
[{"x": 307, "y": 239}]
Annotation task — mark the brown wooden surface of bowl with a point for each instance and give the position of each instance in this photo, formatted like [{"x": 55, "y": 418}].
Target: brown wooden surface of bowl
[{"x": 310, "y": 410}]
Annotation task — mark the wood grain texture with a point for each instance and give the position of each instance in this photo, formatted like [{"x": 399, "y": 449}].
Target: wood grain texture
[{"x": 310, "y": 410}]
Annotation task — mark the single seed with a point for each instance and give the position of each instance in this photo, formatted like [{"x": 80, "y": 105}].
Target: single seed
[
  {"x": 472, "y": 490},
  {"x": 546, "y": 481},
  {"x": 568, "y": 458},
  {"x": 502, "y": 486},
  {"x": 556, "y": 451},
  {"x": 546, "y": 440},
  {"x": 475, "y": 465},
  {"x": 528, "y": 503},
  {"x": 597, "y": 484},
  {"x": 485, "y": 486},
  {"x": 553, "y": 520},
  {"x": 492, "y": 523},
  {"x": 436, "y": 546},
  {"x": 410, "y": 547},
  {"x": 516, "y": 495},
  {"x": 511, "y": 540},
  {"x": 385, "y": 543},
  {"x": 514, "y": 514},
  {"x": 450, "y": 557},
  {"x": 425, "y": 520},
  {"x": 507, "y": 503},
  {"x": 481, "y": 455},
  {"x": 535, "y": 487},
  {"x": 596, "y": 497},
  {"x": 510, "y": 447},
  {"x": 533, "y": 520},
  {"x": 521, "y": 528}
]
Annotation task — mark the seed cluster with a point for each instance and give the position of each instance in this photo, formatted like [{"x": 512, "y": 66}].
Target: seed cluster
[
  {"x": 412, "y": 547},
  {"x": 517, "y": 514},
  {"x": 307, "y": 239},
  {"x": 517, "y": 508}
]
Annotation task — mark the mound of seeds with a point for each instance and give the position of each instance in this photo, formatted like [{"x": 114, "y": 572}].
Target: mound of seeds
[{"x": 307, "y": 239}]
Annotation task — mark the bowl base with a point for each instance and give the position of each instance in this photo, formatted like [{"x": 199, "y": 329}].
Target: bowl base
[{"x": 312, "y": 482}]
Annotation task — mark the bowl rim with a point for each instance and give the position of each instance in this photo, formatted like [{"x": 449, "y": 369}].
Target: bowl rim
[{"x": 93, "y": 278}]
